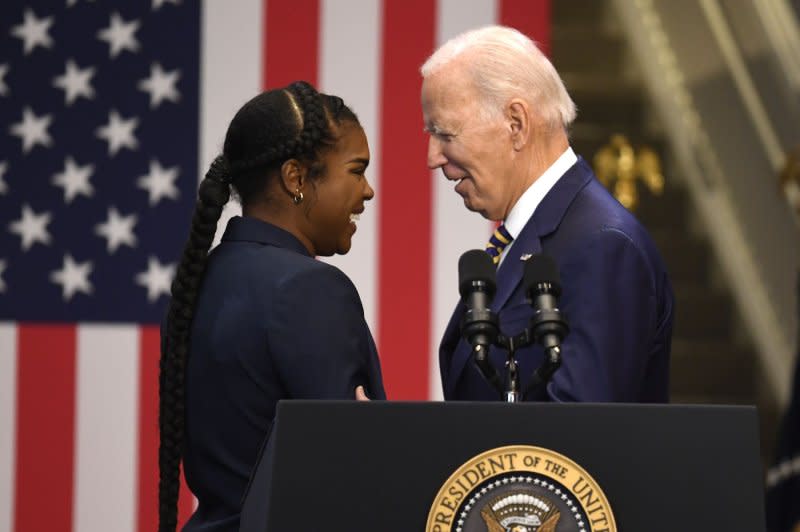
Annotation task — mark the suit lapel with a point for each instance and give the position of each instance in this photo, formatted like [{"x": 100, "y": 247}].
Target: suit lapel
[
  {"x": 509, "y": 275},
  {"x": 551, "y": 210}
]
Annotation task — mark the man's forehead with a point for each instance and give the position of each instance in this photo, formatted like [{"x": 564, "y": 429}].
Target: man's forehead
[
  {"x": 445, "y": 98},
  {"x": 448, "y": 80}
]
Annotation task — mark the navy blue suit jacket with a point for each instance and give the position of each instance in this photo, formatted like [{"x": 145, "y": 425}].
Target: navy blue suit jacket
[
  {"x": 271, "y": 323},
  {"x": 616, "y": 297}
]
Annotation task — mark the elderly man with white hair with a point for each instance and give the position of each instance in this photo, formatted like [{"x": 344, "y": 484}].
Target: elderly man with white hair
[{"x": 497, "y": 114}]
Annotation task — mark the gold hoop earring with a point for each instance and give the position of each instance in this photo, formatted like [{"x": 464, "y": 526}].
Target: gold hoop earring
[{"x": 297, "y": 198}]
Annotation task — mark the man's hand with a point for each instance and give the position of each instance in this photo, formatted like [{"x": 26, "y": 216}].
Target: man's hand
[{"x": 360, "y": 394}]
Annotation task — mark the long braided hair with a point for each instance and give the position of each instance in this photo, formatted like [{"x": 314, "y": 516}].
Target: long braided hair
[{"x": 277, "y": 125}]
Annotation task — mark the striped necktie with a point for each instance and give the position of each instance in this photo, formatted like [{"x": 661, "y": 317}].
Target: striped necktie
[{"x": 497, "y": 243}]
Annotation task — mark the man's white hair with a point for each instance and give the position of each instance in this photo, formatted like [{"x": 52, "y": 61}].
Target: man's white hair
[{"x": 504, "y": 64}]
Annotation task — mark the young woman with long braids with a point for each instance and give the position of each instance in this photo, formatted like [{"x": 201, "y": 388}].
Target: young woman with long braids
[{"x": 259, "y": 319}]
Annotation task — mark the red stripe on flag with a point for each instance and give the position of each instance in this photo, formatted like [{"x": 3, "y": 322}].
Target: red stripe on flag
[
  {"x": 45, "y": 447},
  {"x": 291, "y": 44},
  {"x": 406, "y": 189},
  {"x": 531, "y": 17},
  {"x": 147, "y": 505}
]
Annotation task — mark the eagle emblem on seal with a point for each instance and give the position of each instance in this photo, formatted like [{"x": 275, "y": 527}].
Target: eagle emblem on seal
[{"x": 518, "y": 511}]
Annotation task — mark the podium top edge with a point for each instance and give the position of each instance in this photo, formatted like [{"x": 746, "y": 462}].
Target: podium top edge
[{"x": 457, "y": 405}]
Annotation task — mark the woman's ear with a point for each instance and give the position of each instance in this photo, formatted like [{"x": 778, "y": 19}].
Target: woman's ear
[
  {"x": 519, "y": 120},
  {"x": 293, "y": 176}
]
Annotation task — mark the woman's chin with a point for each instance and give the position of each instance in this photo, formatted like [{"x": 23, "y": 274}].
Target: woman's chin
[{"x": 344, "y": 246}]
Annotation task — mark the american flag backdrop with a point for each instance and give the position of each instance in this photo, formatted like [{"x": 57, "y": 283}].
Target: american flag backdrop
[{"x": 110, "y": 112}]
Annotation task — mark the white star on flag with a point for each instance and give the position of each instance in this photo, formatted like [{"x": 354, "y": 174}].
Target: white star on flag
[
  {"x": 3, "y": 184},
  {"x": 160, "y": 182},
  {"x": 75, "y": 82},
  {"x": 161, "y": 85},
  {"x": 74, "y": 179},
  {"x": 117, "y": 230},
  {"x": 32, "y": 130},
  {"x": 31, "y": 227},
  {"x": 158, "y": 3},
  {"x": 120, "y": 35},
  {"x": 33, "y": 31},
  {"x": 119, "y": 132},
  {"x": 157, "y": 279},
  {"x": 73, "y": 277},
  {"x": 2, "y": 269},
  {"x": 3, "y": 86}
]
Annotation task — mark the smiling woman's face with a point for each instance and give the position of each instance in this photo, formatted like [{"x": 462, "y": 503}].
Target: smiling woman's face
[{"x": 338, "y": 196}]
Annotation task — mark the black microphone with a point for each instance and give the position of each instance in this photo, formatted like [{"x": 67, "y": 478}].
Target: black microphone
[
  {"x": 476, "y": 284},
  {"x": 543, "y": 287},
  {"x": 548, "y": 326}
]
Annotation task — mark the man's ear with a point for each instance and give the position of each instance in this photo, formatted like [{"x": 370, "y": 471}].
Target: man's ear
[
  {"x": 293, "y": 176},
  {"x": 519, "y": 121}
]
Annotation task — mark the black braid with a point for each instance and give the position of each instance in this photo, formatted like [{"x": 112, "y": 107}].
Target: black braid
[
  {"x": 316, "y": 128},
  {"x": 213, "y": 194}
]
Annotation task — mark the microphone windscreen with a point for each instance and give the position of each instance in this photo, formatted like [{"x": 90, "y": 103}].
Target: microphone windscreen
[
  {"x": 475, "y": 265},
  {"x": 541, "y": 269}
]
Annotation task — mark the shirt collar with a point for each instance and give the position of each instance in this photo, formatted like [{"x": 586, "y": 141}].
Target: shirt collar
[{"x": 522, "y": 211}]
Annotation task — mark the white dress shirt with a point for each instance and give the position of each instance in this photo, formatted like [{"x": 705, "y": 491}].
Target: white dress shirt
[{"x": 525, "y": 206}]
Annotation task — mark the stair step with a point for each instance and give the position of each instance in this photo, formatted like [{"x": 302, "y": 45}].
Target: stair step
[
  {"x": 701, "y": 312},
  {"x": 687, "y": 258},
  {"x": 577, "y": 49},
  {"x": 713, "y": 369},
  {"x": 620, "y": 109},
  {"x": 571, "y": 12},
  {"x": 669, "y": 209}
]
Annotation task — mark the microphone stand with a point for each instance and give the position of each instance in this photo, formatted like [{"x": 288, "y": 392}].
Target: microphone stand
[
  {"x": 511, "y": 392},
  {"x": 481, "y": 356},
  {"x": 510, "y": 389},
  {"x": 551, "y": 362}
]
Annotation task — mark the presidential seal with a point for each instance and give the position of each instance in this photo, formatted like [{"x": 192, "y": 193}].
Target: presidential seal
[{"x": 520, "y": 488}]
